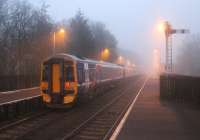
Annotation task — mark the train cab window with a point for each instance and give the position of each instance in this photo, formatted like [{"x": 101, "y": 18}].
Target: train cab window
[
  {"x": 69, "y": 73},
  {"x": 45, "y": 73}
]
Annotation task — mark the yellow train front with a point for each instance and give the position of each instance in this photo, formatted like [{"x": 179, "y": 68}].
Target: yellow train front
[
  {"x": 59, "y": 81},
  {"x": 66, "y": 78}
]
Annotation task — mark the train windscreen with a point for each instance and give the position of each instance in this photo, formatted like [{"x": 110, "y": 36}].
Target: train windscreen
[
  {"x": 69, "y": 73},
  {"x": 45, "y": 73}
]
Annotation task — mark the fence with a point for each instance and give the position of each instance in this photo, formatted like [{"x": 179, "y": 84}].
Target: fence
[
  {"x": 18, "y": 82},
  {"x": 15, "y": 109},
  {"x": 179, "y": 87}
]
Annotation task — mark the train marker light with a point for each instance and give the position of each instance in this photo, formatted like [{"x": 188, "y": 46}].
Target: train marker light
[{"x": 67, "y": 85}]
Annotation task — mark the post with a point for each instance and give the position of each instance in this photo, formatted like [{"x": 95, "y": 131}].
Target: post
[
  {"x": 166, "y": 56},
  {"x": 54, "y": 42},
  {"x": 168, "y": 35}
]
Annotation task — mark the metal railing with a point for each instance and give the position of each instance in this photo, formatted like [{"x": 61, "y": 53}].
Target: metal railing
[{"x": 16, "y": 108}]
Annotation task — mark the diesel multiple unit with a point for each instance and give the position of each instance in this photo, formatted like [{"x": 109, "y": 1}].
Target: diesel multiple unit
[{"x": 66, "y": 78}]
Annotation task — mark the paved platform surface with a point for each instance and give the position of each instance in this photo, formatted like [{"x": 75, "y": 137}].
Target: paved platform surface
[
  {"x": 18, "y": 95},
  {"x": 152, "y": 119}
]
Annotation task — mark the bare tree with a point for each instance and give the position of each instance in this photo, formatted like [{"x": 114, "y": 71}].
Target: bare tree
[
  {"x": 24, "y": 38},
  {"x": 27, "y": 32},
  {"x": 3, "y": 23}
]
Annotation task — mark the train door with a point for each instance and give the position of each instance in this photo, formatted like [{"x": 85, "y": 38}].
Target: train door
[{"x": 56, "y": 82}]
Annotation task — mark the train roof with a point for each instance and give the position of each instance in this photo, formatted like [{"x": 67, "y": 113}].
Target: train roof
[
  {"x": 102, "y": 63},
  {"x": 63, "y": 56},
  {"x": 80, "y": 59}
]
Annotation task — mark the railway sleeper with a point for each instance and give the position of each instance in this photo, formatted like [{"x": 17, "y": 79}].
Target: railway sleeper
[
  {"x": 87, "y": 137},
  {"x": 20, "y": 108},
  {"x": 95, "y": 129},
  {"x": 93, "y": 133},
  {"x": 99, "y": 126}
]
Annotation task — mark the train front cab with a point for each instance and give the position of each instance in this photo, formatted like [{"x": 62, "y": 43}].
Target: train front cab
[{"x": 59, "y": 83}]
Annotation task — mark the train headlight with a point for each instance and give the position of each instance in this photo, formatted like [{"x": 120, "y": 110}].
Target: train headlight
[
  {"x": 68, "y": 99},
  {"x": 46, "y": 98}
]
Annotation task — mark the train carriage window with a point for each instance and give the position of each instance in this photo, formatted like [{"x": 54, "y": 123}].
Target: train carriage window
[
  {"x": 92, "y": 75},
  {"x": 80, "y": 73},
  {"x": 92, "y": 72},
  {"x": 97, "y": 72},
  {"x": 69, "y": 73}
]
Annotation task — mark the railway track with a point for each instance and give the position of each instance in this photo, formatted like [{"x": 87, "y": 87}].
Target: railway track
[
  {"x": 10, "y": 124},
  {"x": 56, "y": 124},
  {"x": 21, "y": 127},
  {"x": 101, "y": 125}
]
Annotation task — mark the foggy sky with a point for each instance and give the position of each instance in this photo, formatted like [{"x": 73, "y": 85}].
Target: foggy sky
[{"x": 133, "y": 22}]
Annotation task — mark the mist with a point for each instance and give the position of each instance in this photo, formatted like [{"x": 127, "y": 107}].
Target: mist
[
  {"x": 133, "y": 23},
  {"x": 188, "y": 56}
]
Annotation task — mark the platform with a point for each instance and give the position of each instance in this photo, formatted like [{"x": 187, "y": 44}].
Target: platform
[
  {"x": 152, "y": 119},
  {"x": 11, "y": 96}
]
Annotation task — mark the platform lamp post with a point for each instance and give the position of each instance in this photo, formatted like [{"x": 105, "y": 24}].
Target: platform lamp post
[
  {"x": 169, "y": 31},
  {"x": 61, "y": 30},
  {"x": 120, "y": 60}
]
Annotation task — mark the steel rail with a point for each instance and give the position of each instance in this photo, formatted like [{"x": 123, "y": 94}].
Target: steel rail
[{"x": 82, "y": 125}]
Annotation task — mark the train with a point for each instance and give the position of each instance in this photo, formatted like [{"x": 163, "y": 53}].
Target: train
[{"x": 66, "y": 79}]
